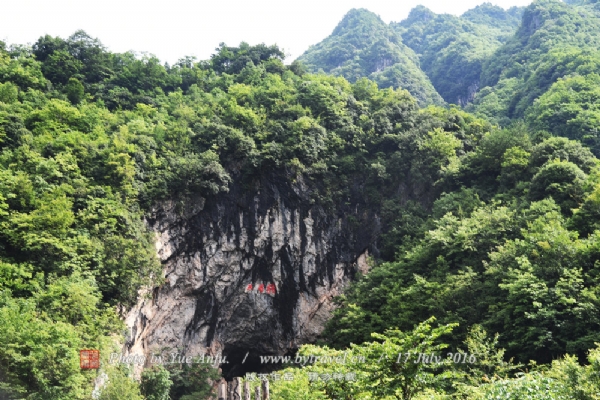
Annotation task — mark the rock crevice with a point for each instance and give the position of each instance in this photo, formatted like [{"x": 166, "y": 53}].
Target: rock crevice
[{"x": 251, "y": 271}]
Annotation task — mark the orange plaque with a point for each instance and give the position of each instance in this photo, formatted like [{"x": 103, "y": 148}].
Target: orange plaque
[{"x": 89, "y": 359}]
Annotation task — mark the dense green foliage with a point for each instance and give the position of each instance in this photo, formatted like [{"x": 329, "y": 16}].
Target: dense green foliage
[
  {"x": 118, "y": 385},
  {"x": 362, "y": 45},
  {"x": 483, "y": 228},
  {"x": 451, "y": 51},
  {"x": 156, "y": 383},
  {"x": 555, "y": 40},
  {"x": 385, "y": 368},
  {"x": 80, "y": 165},
  {"x": 511, "y": 247}
]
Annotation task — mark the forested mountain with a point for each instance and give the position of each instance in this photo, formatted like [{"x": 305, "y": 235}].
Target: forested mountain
[
  {"x": 450, "y": 50},
  {"x": 495, "y": 62},
  {"x": 91, "y": 140},
  {"x": 482, "y": 225},
  {"x": 552, "y": 58},
  {"x": 362, "y": 45},
  {"x": 495, "y": 17}
]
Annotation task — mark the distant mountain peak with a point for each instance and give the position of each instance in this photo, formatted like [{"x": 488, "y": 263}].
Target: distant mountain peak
[
  {"x": 420, "y": 13},
  {"x": 488, "y": 9},
  {"x": 492, "y": 15},
  {"x": 433, "y": 56},
  {"x": 358, "y": 17}
]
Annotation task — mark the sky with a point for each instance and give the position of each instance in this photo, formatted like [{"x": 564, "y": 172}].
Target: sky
[{"x": 173, "y": 29}]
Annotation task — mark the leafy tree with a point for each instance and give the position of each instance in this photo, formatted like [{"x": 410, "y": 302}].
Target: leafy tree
[
  {"x": 75, "y": 91},
  {"x": 191, "y": 381},
  {"x": 402, "y": 380},
  {"x": 156, "y": 383},
  {"x": 120, "y": 386},
  {"x": 561, "y": 180},
  {"x": 232, "y": 60},
  {"x": 8, "y": 92},
  {"x": 585, "y": 218},
  {"x": 60, "y": 67},
  {"x": 562, "y": 149},
  {"x": 568, "y": 109}
]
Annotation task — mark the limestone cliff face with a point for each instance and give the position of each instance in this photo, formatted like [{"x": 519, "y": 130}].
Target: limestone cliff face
[{"x": 213, "y": 249}]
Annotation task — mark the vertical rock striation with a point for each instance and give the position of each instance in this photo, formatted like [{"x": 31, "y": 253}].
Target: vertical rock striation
[{"x": 217, "y": 252}]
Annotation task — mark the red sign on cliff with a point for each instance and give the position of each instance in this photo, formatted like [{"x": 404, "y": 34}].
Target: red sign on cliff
[{"x": 269, "y": 289}]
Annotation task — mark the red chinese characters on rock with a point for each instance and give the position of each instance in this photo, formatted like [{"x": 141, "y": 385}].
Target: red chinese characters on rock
[
  {"x": 270, "y": 288},
  {"x": 89, "y": 359}
]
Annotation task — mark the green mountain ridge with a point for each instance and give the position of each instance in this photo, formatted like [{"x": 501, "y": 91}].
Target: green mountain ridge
[
  {"x": 453, "y": 49},
  {"x": 362, "y": 45},
  {"x": 449, "y": 50},
  {"x": 496, "y": 63},
  {"x": 495, "y": 17},
  {"x": 555, "y": 40}
]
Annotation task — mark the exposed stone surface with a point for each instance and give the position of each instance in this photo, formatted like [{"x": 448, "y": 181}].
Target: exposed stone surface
[{"x": 212, "y": 249}]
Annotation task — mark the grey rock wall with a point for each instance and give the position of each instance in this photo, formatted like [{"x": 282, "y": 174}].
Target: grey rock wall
[{"x": 213, "y": 249}]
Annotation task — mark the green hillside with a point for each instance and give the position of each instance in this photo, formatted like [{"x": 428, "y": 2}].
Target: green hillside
[
  {"x": 450, "y": 50},
  {"x": 492, "y": 61},
  {"x": 556, "y": 41},
  {"x": 489, "y": 216},
  {"x": 362, "y": 45},
  {"x": 495, "y": 17}
]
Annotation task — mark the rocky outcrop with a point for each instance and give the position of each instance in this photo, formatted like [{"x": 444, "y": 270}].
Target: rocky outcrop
[
  {"x": 471, "y": 91},
  {"x": 216, "y": 254}
]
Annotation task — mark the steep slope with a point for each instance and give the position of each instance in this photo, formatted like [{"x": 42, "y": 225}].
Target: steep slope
[
  {"x": 221, "y": 257},
  {"x": 362, "y": 45},
  {"x": 554, "y": 40},
  {"x": 426, "y": 49},
  {"x": 452, "y": 50}
]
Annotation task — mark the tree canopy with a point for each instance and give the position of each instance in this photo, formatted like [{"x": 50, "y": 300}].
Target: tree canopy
[{"x": 489, "y": 242}]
